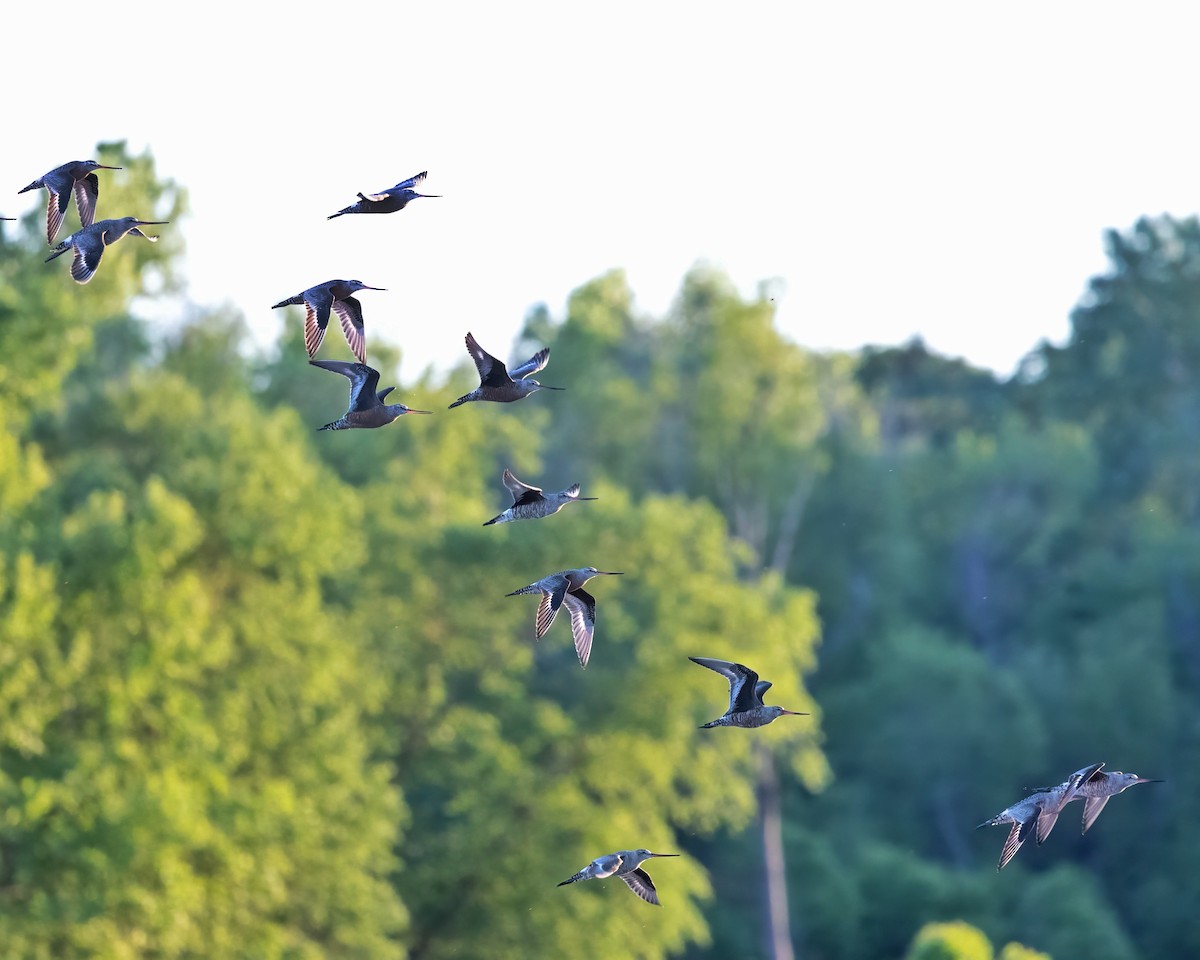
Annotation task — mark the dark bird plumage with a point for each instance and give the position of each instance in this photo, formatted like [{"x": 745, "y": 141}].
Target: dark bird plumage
[
  {"x": 387, "y": 201},
  {"x": 495, "y": 381},
  {"x": 74, "y": 177},
  {"x": 90, "y": 242},
  {"x": 318, "y": 301},
  {"x": 367, "y": 408}
]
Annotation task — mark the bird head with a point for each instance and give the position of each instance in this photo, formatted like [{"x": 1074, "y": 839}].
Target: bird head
[
  {"x": 359, "y": 285},
  {"x": 1127, "y": 780},
  {"x": 96, "y": 165},
  {"x": 399, "y": 409}
]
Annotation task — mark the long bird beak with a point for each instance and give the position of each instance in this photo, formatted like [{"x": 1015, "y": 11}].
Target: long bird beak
[
  {"x": 793, "y": 713},
  {"x": 609, "y": 573},
  {"x": 587, "y": 498},
  {"x": 1148, "y": 780},
  {"x": 375, "y": 288},
  {"x": 149, "y": 223},
  {"x": 544, "y": 387},
  {"x": 101, "y": 166},
  {"x": 666, "y": 854},
  {"x": 411, "y": 410}
]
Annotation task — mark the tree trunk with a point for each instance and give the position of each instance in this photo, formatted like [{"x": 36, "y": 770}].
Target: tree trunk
[{"x": 779, "y": 938}]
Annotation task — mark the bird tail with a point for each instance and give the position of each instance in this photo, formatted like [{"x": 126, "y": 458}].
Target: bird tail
[
  {"x": 461, "y": 400},
  {"x": 289, "y": 302},
  {"x": 719, "y": 722},
  {"x": 532, "y": 588},
  {"x": 353, "y": 208},
  {"x": 335, "y": 425},
  {"x": 578, "y": 876},
  {"x": 33, "y": 186},
  {"x": 494, "y": 520},
  {"x": 59, "y": 251}
]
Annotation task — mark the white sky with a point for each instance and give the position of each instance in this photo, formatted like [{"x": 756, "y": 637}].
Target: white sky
[{"x": 928, "y": 168}]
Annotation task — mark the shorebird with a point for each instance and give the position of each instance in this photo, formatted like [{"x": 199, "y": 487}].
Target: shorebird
[
  {"x": 367, "y": 408},
  {"x": 530, "y": 503},
  {"x": 746, "y": 691},
  {"x": 1095, "y": 787},
  {"x": 387, "y": 201},
  {"x": 59, "y": 182},
  {"x": 318, "y": 301},
  {"x": 496, "y": 383},
  {"x": 89, "y": 243},
  {"x": 566, "y": 586},
  {"x": 1036, "y": 813},
  {"x": 623, "y": 864}
]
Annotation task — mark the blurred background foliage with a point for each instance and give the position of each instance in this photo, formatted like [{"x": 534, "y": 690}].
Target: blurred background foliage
[{"x": 261, "y": 692}]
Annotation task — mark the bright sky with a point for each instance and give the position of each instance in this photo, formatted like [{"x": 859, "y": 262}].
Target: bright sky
[{"x": 944, "y": 169}]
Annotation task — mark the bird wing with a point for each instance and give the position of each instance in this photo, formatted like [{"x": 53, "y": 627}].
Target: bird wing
[
  {"x": 492, "y": 373},
  {"x": 531, "y": 366},
  {"x": 761, "y": 688},
  {"x": 1047, "y": 817},
  {"x": 363, "y": 381},
  {"x": 89, "y": 248},
  {"x": 582, "y": 606},
  {"x": 521, "y": 492},
  {"x": 1016, "y": 836},
  {"x": 317, "y": 304},
  {"x": 741, "y": 682},
  {"x": 86, "y": 192},
  {"x": 548, "y": 609},
  {"x": 58, "y": 185},
  {"x": 1091, "y": 810},
  {"x": 640, "y": 883},
  {"x": 349, "y": 311},
  {"x": 410, "y": 182}
]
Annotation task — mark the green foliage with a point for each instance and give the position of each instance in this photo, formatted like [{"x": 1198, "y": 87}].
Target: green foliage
[
  {"x": 949, "y": 941},
  {"x": 261, "y": 692}
]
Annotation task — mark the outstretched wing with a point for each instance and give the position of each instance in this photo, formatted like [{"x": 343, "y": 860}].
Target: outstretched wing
[
  {"x": 640, "y": 883},
  {"x": 316, "y": 318},
  {"x": 492, "y": 373},
  {"x": 582, "y": 606},
  {"x": 741, "y": 679},
  {"x": 410, "y": 182},
  {"x": 89, "y": 248},
  {"x": 58, "y": 184},
  {"x": 521, "y": 492},
  {"x": 531, "y": 366},
  {"x": 364, "y": 381},
  {"x": 1016, "y": 836},
  {"x": 86, "y": 192},
  {"x": 349, "y": 311},
  {"x": 548, "y": 609},
  {"x": 1091, "y": 810}
]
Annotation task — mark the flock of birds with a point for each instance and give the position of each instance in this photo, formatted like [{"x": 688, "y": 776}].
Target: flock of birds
[{"x": 368, "y": 408}]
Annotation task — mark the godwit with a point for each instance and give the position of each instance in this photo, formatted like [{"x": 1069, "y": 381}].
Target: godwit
[
  {"x": 1095, "y": 787},
  {"x": 530, "y": 503},
  {"x": 624, "y": 864},
  {"x": 367, "y": 408},
  {"x": 495, "y": 382},
  {"x": 566, "y": 586},
  {"x": 387, "y": 201},
  {"x": 1036, "y": 813},
  {"x": 318, "y": 301},
  {"x": 746, "y": 691},
  {"x": 89, "y": 243},
  {"x": 59, "y": 182}
]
